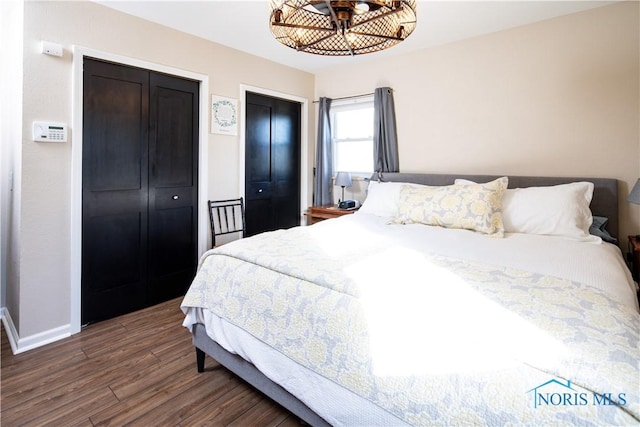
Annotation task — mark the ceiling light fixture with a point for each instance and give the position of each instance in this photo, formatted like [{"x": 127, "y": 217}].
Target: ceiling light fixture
[{"x": 340, "y": 28}]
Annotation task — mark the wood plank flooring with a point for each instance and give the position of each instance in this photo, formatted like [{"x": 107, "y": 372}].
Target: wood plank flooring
[{"x": 138, "y": 369}]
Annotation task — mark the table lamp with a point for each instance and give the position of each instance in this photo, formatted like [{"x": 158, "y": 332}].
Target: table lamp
[
  {"x": 343, "y": 179},
  {"x": 634, "y": 196}
]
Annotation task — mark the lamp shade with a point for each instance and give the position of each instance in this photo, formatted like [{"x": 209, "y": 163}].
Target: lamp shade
[
  {"x": 634, "y": 196},
  {"x": 343, "y": 179}
]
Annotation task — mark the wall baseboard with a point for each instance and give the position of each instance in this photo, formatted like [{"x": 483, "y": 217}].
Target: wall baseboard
[
  {"x": 10, "y": 329},
  {"x": 20, "y": 345}
]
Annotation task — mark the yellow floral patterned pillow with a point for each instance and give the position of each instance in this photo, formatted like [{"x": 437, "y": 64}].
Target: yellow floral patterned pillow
[{"x": 476, "y": 207}]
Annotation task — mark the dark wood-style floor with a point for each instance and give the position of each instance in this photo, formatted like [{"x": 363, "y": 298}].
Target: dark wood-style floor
[{"x": 137, "y": 369}]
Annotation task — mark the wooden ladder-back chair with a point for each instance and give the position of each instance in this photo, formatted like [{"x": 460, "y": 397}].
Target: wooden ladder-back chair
[{"x": 226, "y": 216}]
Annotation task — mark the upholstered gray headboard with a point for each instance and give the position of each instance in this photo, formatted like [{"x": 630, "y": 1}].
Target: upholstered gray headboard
[{"x": 605, "y": 193}]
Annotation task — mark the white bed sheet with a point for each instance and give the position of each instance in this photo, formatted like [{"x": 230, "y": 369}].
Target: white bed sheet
[
  {"x": 597, "y": 264},
  {"x": 600, "y": 265}
]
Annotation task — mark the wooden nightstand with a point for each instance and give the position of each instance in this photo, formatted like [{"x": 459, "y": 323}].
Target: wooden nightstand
[{"x": 320, "y": 213}]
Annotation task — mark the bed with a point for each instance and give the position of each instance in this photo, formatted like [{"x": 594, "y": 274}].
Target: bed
[{"x": 383, "y": 318}]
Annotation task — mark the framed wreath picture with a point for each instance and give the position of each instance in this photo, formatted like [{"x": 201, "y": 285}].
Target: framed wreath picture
[{"x": 224, "y": 115}]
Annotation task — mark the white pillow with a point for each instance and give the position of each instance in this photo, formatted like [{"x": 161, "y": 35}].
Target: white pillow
[
  {"x": 559, "y": 210},
  {"x": 382, "y": 198}
]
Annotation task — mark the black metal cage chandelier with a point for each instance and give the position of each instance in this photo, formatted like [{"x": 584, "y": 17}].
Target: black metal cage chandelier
[{"x": 339, "y": 28}]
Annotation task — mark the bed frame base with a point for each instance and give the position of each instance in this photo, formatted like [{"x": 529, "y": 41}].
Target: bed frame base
[{"x": 249, "y": 373}]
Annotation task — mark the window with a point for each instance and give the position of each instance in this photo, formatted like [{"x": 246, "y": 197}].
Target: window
[{"x": 352, "y": 135}]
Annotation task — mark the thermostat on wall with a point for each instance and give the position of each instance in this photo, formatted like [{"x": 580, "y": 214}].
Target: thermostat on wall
[{"x": 49, "y": 132}]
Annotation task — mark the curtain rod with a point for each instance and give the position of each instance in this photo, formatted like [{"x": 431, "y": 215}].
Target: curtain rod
[{"x": 346, "y": 97}]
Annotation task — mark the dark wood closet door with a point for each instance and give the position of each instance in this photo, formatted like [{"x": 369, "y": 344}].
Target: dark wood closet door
[
  {"x": 139, "y": 220},
  {"x": 173, "y": 189},
  {"x": 272, "y": 164},
  {"x": 115, "y": 190}
]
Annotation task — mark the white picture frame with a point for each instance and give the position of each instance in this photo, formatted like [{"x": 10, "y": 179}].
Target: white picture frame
[{"x": 224, "y": 115}]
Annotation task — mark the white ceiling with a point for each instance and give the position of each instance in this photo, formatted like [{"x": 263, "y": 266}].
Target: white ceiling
[{"x": 243, "y": 24}]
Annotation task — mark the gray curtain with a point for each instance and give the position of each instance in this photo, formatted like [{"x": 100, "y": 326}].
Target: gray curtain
[
  {"x": 322, "y": 188},
  {"x": 385, "y": 137}
]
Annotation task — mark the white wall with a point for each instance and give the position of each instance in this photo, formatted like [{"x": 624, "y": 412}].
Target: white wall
[
  {"x": 555, "y": 98},
  {"x": 43, "y": 306}
]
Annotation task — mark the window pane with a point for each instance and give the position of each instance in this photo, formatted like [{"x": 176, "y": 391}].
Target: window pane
[
  {"x": 351, "y": 124},
  {"x": 354, "y": 156},
  {"x": 352, "y": 135}
]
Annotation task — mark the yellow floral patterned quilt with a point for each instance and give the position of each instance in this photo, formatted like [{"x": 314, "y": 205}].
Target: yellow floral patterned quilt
[{"x": 433, "y": 340}]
